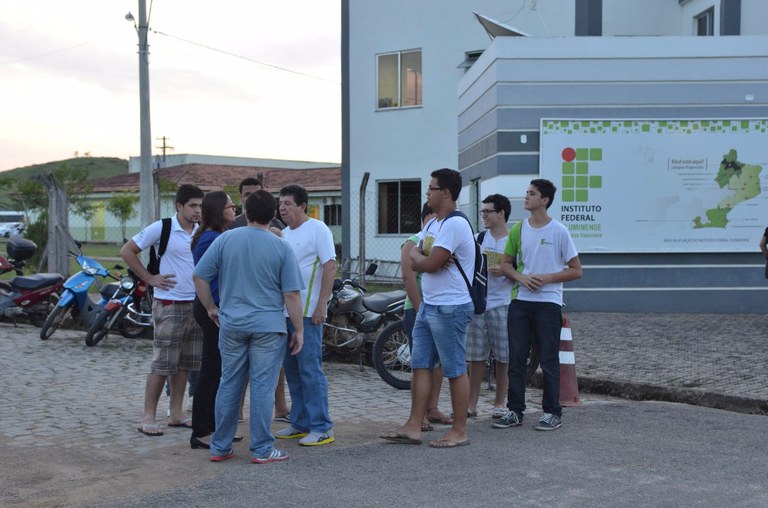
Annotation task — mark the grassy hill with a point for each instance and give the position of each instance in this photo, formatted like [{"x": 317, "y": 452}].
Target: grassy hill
[{"x": 98, "y": 167}]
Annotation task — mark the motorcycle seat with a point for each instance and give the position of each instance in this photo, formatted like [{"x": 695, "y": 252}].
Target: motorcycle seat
[
  {"x": 107, "y": 290},
  {"x": 36, "y": 281},
  {"x": 381, "y": 302}
]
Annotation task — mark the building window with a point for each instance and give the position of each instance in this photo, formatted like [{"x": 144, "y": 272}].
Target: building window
[
  {"x": 398, "y": 79},
  {"x": 399, "y": 207},
  {"x": 332, "y": 215},
  {"x": 705, "y": 22}
]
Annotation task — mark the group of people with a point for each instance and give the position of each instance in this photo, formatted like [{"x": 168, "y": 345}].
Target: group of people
[
  {"x": 527, "y": 266},
  {"x": 241, "y": 300}
]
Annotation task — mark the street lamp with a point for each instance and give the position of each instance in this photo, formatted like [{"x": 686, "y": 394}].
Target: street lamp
[{"x": 146, "y": 182}]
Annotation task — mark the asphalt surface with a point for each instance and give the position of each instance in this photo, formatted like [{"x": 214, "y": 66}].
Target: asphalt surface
[{"x": 68, "y": 418}]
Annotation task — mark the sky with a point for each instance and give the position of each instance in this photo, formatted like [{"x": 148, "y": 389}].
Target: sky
[{"x": 69, "y": 79}]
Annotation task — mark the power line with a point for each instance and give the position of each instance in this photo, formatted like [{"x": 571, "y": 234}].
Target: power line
[
  {"x": 44, "y": 54},
  {"x": 211, "y": 48}
]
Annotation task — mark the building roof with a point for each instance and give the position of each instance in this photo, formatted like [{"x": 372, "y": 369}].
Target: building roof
[{"x": 211, "y": 177}]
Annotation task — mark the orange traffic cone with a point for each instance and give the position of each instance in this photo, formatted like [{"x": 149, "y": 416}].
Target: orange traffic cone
[{"x": 569, "y": 385}]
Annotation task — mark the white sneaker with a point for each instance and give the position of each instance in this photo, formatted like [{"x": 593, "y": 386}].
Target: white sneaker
[{"x": 317, "y": 438}]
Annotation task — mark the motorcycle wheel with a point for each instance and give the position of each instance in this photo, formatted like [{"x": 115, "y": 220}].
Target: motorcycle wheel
[
  {"x": 129, "y": 329},
  {"x": 98, "y": 330},
  {"x": 52, "y": 323},
  {"x": 392, "y": 356}
]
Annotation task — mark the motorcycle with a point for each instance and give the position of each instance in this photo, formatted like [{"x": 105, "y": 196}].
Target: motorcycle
[
  {"x": 30, "y": 296},
  {"x": 355, "y": 319},
  {"x": 115, "y": 311},
  {"x": 75, "y": 302},
  {"x": 392, "y": 358}
]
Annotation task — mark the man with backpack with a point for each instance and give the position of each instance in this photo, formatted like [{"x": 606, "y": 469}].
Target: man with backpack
[
  {"x": 177, "y": 344},
  {"x": 446, "y": 244},
  {"x": 488, "y": 331},
  {"x": 544, "y": 257}
]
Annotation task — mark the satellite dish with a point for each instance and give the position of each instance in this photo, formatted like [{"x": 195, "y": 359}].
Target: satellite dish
[{"x": 497, "y": 28}]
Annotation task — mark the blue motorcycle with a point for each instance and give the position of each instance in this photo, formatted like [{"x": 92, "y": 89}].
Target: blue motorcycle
[{"x": 75, "y": 302}]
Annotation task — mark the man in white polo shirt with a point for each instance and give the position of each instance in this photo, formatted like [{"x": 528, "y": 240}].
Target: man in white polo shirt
[{"x": 177, "y": 345}]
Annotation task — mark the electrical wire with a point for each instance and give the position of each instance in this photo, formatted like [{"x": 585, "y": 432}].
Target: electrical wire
[
  {"x": 44, "y": 54},
  {"x": 211, "y": 48}
]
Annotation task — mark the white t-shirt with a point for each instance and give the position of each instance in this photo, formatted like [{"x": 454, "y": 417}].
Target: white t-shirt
[
  {"x": 446, "y": 286},
  {"x": 545, "y": 250},
  {"x": 312, "y": 242},
  {"x": 177, "y": 258},
  {"x": 499, "y": 287}
]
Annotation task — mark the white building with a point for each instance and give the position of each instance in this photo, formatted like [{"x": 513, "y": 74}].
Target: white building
[{"x": 418, "y": 96}]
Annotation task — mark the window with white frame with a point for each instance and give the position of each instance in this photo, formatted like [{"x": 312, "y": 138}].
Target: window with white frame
[
  {"x": 705, "y": 22},
  {"x": 399, "y": 207},
  {"x": 398, "y": 79}
]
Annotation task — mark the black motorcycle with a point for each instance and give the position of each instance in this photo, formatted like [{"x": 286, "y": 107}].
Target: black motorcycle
[{"x": 354, "y": 319}]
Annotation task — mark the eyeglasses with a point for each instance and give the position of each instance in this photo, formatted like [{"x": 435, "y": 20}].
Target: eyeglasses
[
  {"x": 433, "y": 189},
  {"x": 232, "y": 206},
  {"x": 486, "y": 212}
]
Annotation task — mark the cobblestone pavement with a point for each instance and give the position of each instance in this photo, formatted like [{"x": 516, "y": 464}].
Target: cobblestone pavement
[
  {"x": 55, "y": 390},
  {"x": 716, "y": 360}
]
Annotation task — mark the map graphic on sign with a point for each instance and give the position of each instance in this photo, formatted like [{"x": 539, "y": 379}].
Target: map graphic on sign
[{"x": 742, "y": 179}]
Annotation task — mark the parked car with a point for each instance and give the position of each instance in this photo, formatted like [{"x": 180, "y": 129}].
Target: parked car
[{"x": 10, "y": 229}]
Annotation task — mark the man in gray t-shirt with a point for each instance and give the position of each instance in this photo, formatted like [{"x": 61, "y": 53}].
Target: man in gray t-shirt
[{"x": 259, "y": 278}]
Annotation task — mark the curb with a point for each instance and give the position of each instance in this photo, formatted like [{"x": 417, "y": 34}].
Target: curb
[{"x": 644, "y": 391}]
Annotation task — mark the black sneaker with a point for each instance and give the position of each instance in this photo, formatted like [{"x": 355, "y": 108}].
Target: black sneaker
[
  {"x": 510, "y": 419},
  {"x": 549, "y": 421}
]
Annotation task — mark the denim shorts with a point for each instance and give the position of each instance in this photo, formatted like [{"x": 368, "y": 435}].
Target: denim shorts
[{"x": 440, "y": 334}]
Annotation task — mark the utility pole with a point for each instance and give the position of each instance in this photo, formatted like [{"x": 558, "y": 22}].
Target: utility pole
[
  {"x": 146, "y": 182},
  {"x": 165, "y": 147}
]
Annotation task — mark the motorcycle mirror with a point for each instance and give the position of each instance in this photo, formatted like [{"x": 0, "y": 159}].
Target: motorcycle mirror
[
  {"x": 371, "y": 269},
  {"x": 118, "y": 267}
]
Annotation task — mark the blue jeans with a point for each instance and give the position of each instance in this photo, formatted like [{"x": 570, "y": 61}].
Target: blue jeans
[
  {"x": 307, "y": 382},
  {"x": 244, "y": 354},
  {"x": 440, "y": 334},
  {"x": 542, "y": 322}
]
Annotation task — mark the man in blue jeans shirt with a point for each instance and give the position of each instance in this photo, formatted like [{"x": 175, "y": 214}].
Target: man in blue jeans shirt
[
  {"x": 546, "y": 259},
  {"x": 254, "y": 293}
]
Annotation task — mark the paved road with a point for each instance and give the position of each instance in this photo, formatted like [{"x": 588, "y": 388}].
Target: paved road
[{"x": 69, "y": 413}]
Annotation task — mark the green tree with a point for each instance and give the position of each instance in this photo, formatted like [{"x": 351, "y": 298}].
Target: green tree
[
  {"x": 31, "y": 196},
  {"x": 123, "y": 206}
]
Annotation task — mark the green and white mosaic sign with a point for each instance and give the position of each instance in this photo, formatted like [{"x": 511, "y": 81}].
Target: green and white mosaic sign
[{"x": 658, "y": 185}]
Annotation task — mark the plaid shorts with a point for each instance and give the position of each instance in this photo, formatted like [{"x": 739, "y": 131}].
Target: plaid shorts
[
  {"x": 178, "y": 339},
  {"x": 488, "y": 331}
]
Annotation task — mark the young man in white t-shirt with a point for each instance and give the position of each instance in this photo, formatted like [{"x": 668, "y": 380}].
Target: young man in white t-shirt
[
  {"x": 488, "y": 331},
  {"x": 178, "y": 339},
  {"x": 548, "y": 258},
  {"x": 440, "y": 330}
]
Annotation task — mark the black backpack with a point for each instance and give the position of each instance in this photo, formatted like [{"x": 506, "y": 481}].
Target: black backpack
[
  {"x": 153, "y": 266},
  {"x": 478, "y": 290}
]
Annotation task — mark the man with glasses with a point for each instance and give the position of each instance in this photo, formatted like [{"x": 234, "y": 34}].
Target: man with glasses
[
  {"x": 440, "y": 330},
  {"x": 488, "y": 331}
]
